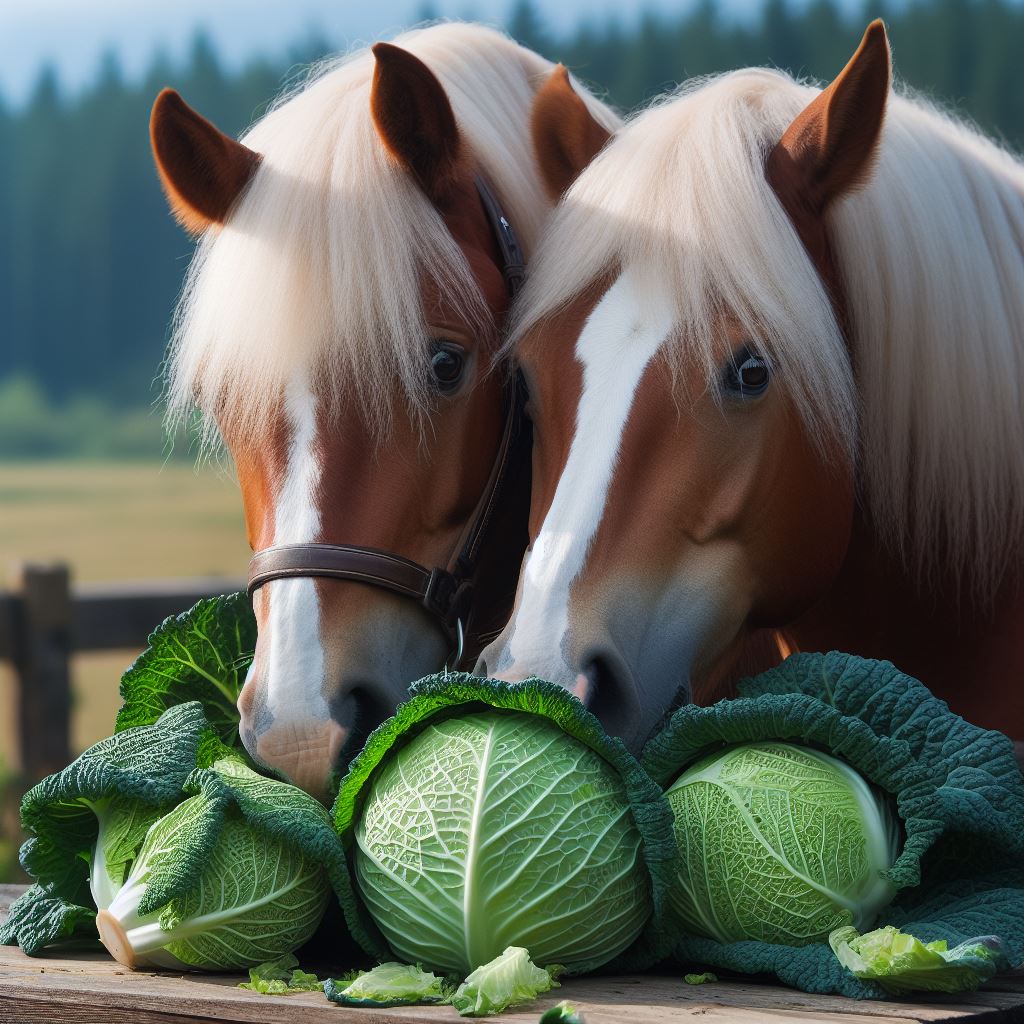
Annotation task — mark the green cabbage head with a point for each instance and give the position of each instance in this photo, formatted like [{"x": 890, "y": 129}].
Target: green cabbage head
[
  {"x": 779, "y": 843},
  {"x": 497, "y": 829},
  {"x": 211, "y": 889}
]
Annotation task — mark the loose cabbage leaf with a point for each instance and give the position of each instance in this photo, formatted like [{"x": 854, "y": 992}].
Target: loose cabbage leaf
[
  {"x": 488, "y": 792},
  {"x": 202, "y": 654},
  {"x": 390, "y": 984},
  {"x": 901, "y": 963},
  {"x": 234, "y": 876},
  {"x": 957, "y": 788},
  {"x": 700, "y": 979},
  {"x": 508, "y": 980},
  {"x": 111, "y": 793},
  {"x": 281, "y": 977},
  {"x": 563, "y": 1012}
]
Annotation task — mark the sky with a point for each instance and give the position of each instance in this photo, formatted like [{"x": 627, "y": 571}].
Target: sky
[{"x": 72, "y": 34}]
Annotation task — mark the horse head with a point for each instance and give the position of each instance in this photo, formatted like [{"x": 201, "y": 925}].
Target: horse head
[
  {"x": 691, "y": 391},
  {"x": 340, "y": 329}
]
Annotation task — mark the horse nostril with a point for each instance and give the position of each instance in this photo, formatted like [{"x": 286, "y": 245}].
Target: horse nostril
[
  {"x": 607, "y": 689},
  {"x": 361, "y": 708}
]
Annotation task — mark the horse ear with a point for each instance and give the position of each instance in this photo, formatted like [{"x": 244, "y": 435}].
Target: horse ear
[
  {"x": 202, "y": 170},
  {"x": 414, "y": 119},
  {"x": 830, "y": 148},
  {"x": 566, "y": 136}
]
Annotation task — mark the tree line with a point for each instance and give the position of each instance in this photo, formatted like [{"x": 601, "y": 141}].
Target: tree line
[{"x": 91, "y": 262}]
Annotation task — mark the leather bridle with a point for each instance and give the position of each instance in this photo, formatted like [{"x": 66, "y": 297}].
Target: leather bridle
[{"x": 445, "y": 593}]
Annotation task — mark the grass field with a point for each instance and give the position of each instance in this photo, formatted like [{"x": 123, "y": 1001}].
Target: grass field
[{"x": 113, "y": 521}]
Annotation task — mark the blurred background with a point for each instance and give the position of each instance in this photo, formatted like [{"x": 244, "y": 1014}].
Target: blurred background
[{"x": 91, "y": 264}]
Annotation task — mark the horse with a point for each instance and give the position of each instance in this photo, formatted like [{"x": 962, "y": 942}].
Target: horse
[
  {"x": 338, "y": 334},
  {"x": 774, "y": 344}
]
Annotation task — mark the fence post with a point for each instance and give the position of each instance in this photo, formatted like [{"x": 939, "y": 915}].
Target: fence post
[{"x": 42, "y": 663}]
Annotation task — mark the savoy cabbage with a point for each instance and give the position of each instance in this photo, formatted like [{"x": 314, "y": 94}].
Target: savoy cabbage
[
  {"x": 485, "y": 815},
  {"x": 779, "y": 843},
  {"x": 162, "y": 840},
  {"x": 957, "y": 791},
  {"x": 209, "y": 890}
]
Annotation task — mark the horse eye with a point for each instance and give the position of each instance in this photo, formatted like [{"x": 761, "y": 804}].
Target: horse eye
[
  {"x": 447, "y": 365},
  {"x": 747, "y": 375}
]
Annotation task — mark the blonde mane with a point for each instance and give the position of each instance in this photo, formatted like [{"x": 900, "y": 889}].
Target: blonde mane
[
  {"x": 931, "y": 253},
  {"x": 319, "y": 268}
]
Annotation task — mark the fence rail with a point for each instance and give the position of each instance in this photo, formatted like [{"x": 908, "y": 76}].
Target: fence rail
[{"x": 44, "y": 620}]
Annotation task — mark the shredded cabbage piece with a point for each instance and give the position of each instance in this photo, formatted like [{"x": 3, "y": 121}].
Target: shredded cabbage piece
[
  {"x": 700, "y": 979},
  {"x": 281, "y": 977},
  {"x": 899, "y": 962},
  {"x": 563, "y": 1012}
]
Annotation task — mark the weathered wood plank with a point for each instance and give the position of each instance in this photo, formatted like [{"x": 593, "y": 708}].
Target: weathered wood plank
[{"x": 89, "y": 988}]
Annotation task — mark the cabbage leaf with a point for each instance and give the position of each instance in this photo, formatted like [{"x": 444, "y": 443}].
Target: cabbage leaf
[
  {"x": 281, "y": 977},
  {"x": 901, "y": 963},
  {"x": 509, "y": 979},
  {"x": 390, "y": 984},
  {"x": 563, "y": 1012},
  {"x": 202, "y": 654}
]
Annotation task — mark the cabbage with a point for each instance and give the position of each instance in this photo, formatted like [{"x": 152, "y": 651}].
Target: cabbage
[
  {"x": 208, "y": 889},
  {"x": 178, "y": 854},
  {"x": 494, "y": 830},
  {"x": 485, "y": 815},
  {"x": 779, "y": 843},
  {"x": 86, "y": 823}
]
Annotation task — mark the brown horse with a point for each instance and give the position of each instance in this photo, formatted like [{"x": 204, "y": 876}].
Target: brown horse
[
  {"x": 339, "y": 332},
  {"x": 774, "y": 341}
]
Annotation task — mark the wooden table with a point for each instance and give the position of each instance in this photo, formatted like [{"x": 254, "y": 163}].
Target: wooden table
[{"x": 89, "y": 988}]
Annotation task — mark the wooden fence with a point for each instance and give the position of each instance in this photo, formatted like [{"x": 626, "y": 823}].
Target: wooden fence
[{"x": 44, "y": 620}]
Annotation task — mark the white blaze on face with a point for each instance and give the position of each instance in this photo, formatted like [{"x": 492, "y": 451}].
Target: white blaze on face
[
  {"x": 621, "y": 335},
  {"x": 294, "y": 665}
]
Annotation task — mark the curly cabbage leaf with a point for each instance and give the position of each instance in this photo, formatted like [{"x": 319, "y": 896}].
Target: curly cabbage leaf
[
  {"x": 779, "y": 843},
  {"x": 700, "y": 979},
  {"x": 212, "y": 887},
  {"x": 527, "y": 825},
  {"x": 390, "y": 984},
  {"x": 87, "y": 822},
  {"x": 202, "y": 654},
  {"x": 900, "y": 963},
  {"x": 494, "y": 830},
  {"x": 508, "y": 980}
]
